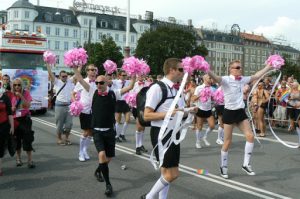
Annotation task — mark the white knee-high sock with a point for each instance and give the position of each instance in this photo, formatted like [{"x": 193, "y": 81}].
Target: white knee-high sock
[
  {"x": 220, "y": 133},
  {"x": 298, "y": 132},
  {"x": 138, "y": 137},
  {"x": 248, "y": 152},
  {"x": 124, "y": 128},
  {"x": 198, "y": 135},
  {"x": 163, "y": 194},
  {"x": 81, "y": 144},
  {"x": 86, "y": 144},
  {"x": 208, "y": 130},
  {"x": 224, "y": 158},
  {"x": 118, "y": 129},
  {"x": 160, "y": 184}
]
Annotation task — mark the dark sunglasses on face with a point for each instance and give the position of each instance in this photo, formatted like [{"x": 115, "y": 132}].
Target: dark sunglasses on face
[
  {"x": 180, "y": 69},
  {"x": 101, "y": 82},
  {"x": 64, "y": 76},
  {"x": 238, "y": 68},
  {"x": 91, "y": 69},
  {"x": 124, "y": 75},
  {"x": 17, "y": 85}
]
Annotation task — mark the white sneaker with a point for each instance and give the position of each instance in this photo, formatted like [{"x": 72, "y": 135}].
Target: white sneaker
[
  {"x": 86, "y": 155},
  {"x": 219, "y": 142},
  {"x": 248, "y": 170},
  {"x": 81, "y": 158},
  {"x": 205, "y": 141},
  {"x": 224, "y": 172},
  {"x": 198, "y": 145}
]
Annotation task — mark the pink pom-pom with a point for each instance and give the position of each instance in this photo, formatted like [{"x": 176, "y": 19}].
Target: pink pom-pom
[
  {"x": 198, "y": 62},
  {"x": 187, "y": 66},
  {"x": 110, "y": 66},
  {"x": 218, "y": 96},
  {"x": 205, "y": 94},
  {"x": 75, "y": 108},
  {"x": 75, "y": 57},
  {"x": 276, "y": 61},
  {"x": 133, "y": 66},
  {"x": 130, "y": 99},
  {"x": 49, "y": 57}
]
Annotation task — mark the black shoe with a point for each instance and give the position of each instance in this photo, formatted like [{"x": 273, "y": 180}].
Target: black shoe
[
  {"x": 143, "y": 149},
  {"x": 138, "y": 151},
  {"x": 118, "y": 139},
  {"x": 144, "y": 196},
  {"x": 31, "y": 165},
  {"x": 248, "y": 170},
  {"x": 123, "y": 138},
  {"x": 109, "y": 190},
  {"x": 98, "y": 176}
]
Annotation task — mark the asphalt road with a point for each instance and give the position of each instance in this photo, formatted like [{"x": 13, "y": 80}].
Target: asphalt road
[{"x": 60, "y": 175}]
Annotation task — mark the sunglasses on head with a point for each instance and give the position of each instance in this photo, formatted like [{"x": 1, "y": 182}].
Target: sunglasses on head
[
  {"x": 17, "y": 85},
  {"x": 101, "y": 82},
  {"x": 180, "y": 69}
]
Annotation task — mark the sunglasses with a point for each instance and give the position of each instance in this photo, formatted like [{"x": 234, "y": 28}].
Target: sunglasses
[
  {"x": 124, "y": 75},
  {"x": 91, "y": 69},
  {"x": 64, "y": 76},
  {"x": 17, "y": 85},
  {"x": 101, "y": 82},
  {"x": 180, "y": 69},
  {"x": 238, "y": 68}
]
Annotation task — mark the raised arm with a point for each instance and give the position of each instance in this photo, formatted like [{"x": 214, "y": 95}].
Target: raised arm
[
  {"x": 130, "y": 87},
  {"x": 260, "y": 73},
  {"x": 80, "y": 79},
  {"x": 52, "y": 77},
  {"x": 215, "y": 77}
]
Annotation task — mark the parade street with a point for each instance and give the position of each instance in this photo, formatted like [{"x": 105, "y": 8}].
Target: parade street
[{"x": 60, "y": 175}]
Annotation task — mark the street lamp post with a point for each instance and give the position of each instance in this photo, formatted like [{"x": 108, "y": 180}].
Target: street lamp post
[{"x": 127, "y": 48}]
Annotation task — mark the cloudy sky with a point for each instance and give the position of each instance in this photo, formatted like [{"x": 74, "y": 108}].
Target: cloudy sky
[{"x": 275, "y": 19}]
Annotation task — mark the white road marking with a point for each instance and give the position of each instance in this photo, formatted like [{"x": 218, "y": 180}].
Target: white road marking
[{"x": 192, "y": 171}]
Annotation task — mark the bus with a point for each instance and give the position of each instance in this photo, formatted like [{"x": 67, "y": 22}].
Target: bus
[{"x": 21, "y": 56}]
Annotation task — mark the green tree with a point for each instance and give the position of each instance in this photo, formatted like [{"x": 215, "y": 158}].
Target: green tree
[
  {"x": 100, "y": 52},
  {"x": 290, "y": 68},
  {"x": 165, "y": 42}
]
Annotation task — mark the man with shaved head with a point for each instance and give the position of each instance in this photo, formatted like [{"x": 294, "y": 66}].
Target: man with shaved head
[{"x": 103, "y": 122}]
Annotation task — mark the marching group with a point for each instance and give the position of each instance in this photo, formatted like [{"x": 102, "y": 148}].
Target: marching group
[{"x": 103, "y": 100}]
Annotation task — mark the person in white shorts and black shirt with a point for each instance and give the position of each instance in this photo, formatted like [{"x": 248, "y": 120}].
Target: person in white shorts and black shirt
[
  {"x": 204, "y": 113},
  {"x": 169, "y": 170},
  {"x": 234, "y": 112}
]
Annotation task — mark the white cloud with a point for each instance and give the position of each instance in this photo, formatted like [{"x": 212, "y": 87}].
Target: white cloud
[{"x": 284, "y": 27}]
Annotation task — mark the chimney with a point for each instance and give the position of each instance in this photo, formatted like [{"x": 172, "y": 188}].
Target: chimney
[
  {"x": 190, "y": 22},
  {"x": 149, "y": 16}
]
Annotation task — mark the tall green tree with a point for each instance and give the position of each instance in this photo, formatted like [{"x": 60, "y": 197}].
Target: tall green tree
[
  {"x": 100, "y": 52},
  {"x": 291, "y": 68},
  {"x": 165, "y": 42}
]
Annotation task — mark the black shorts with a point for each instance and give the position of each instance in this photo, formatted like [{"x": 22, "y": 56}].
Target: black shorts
[
  {"x": 85, "y": 121},
  {"x": 219, "y": 109},
  {"x": 172, "y": 155},
  {"x": 234, "y": 116},
  {"x": 122, "y": 107},
  {"x": 105, "y": 141},
  {"x": 203, "y": 114},
  {"x": 134, "y": 112},
  {"x": 24, "y": 134}
]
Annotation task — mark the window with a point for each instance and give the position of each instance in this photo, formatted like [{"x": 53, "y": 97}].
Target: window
[
  {"x": 103, "y": 24},
  {"x": 67, "y": 19},
  {"x": 66, "y": 45},
  {"x": 49, "y": 44},
  {"x": 108, "y": 35},
  {"x": 85, "y": 21},
  {"x": 56, "y": 45},
  {"x": 57, "y": 30},
  {"x": 48, "y": 30},
  {"x": 57, "y": 59},
  {"x": 124, "y": 38},
  {"x": 66, "y": 32},
  {"x": 16, "y": 26},
  {"x": 116, "y": 25},
  {"x": 48, "y": 17},
  {"x": 26, "y": 14},
  {"x": 26, "y": 27},
  {"x": 117, "y": 37},
  {"x": 85, "y": 34},
  {"x": 99, "y": 35},
  {"x": 75, "y": 32},
  {"x": 74, "y": 44},
  {"x": 91, "y": 22},
  {"x": 16, "y": 14},
  {"x": 132, "y": 39}
]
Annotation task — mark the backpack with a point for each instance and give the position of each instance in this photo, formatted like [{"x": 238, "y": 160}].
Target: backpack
[{"x": 141, "y": 101}]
